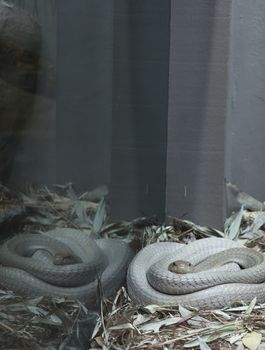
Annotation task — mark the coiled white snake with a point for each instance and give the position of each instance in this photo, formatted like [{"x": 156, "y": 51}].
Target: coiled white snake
[
  {"x": 31, "y": 266},
  {"x": 150, "y": 282}
]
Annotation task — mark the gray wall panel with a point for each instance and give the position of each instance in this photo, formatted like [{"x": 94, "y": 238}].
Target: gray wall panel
[
  {"x": 140, "y": 98},
  {"x": 245, "y": 140},
  {"x": 84, "y": 92},
  {"x": 117, "y": 122},
  {"x": 197, "y": 106}
]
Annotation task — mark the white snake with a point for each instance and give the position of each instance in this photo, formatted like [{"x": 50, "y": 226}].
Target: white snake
[
  {"x": 29, "y": 267},
  {"x": 150, "y": 282}
]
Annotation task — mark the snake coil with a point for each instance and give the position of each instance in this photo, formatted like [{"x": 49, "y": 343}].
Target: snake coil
[
  {"x": 28, "y": 265},
  {"x": 150, "y": 282}
]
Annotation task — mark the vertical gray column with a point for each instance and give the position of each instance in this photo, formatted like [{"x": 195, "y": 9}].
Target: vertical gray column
[
  {"x": 197, "y": 108},
  {"x": 84, "y": 91},
  {"x": 140, "y": 96},
  {"x": 245, "y": 127}
]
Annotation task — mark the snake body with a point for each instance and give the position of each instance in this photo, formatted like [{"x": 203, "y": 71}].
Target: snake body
[
  {"x": 150, "y": 282},
  {"x": 29, "y": 267}
]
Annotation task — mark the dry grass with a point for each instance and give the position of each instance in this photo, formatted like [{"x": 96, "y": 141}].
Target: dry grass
[
  {"x": 128, "y": 326},
  {"x": 52, "y": 323},
  {"x": 39, "y": 323}
]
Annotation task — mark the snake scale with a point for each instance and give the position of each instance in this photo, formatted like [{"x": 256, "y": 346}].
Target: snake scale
[
  {"x": 149, "y": 280},
  {"x": 42, "y": 265}
]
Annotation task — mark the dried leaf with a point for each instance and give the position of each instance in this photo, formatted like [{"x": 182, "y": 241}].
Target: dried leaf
[
  {"x": 122, "y": 326},
  {"x": 79, "y": 213},
  {"x": 140, "y": 319},
  {"x": 252, "y": 340},
  {"x": 100, "y": 217},
  {"x": 222, "y": 313},
  {"x": 96, "y": 328},
  {"x": 96, "y": 195},
  {"x": 152, "y": 308},
  {"x": 258, "y": 222},
  {"x": 245, "y": 199},
  {"x": 49, "y": 319},
  {"x": 154, "y": 327},
  {"x": 233, "y": 230},
  {"x": 34, "y": 323},
  {"x": 99, "y": 340},
  {"x": 203, "y": 344},
  {"x": 236, "y": 337},
  {"x": 205, "y": 230},
  {"x": 67, "y": 190},
  {"x": 212, "y": 334},
  {"x": 251, "y": 306},
  {"x": 240, "y": 347},
  {"x": 195, "y": 320}
]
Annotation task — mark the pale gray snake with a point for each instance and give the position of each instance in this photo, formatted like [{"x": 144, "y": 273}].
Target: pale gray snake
[
  {"x": 27, "y": 265},
  {"x": 150, "y": 282}
]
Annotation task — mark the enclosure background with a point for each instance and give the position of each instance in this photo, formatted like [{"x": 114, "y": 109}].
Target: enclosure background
[{"x": 160, "y": 99}]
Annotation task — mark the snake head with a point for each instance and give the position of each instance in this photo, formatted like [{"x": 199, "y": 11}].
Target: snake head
[
  {"x": 60, "y": 259},
  {"x": 181, "y": 266}
]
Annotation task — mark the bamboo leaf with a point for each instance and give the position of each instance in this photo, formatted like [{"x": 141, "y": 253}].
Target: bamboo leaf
[
  {"x": 233, "y": 230},
  {"x": 245, "y": 199},
  {"x": 100, "y": 217},
  {"x": 252, "y": 340},
  {"x": 154, "y": 327},
  {"x": 203, "y": 344}
]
